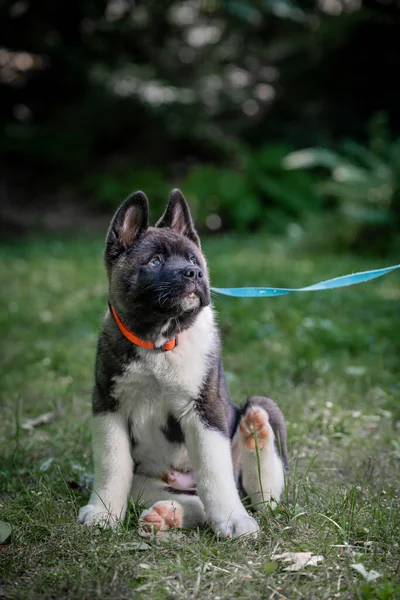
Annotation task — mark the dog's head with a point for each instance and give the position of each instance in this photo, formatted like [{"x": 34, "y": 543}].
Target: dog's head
[{"x": 157, "y": 275}]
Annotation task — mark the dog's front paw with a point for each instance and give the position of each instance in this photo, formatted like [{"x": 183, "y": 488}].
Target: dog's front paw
[
  {"x": 235, "y": 527},
  {"x": 93, "y": 514}
]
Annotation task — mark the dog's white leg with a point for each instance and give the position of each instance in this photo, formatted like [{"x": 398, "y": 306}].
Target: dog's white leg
[
  {"x": 210, "y": 455},
  {"x": 262, "y": 476},
  {"x": 165, "y": 508},
  {"x": 113, "y": 471}
]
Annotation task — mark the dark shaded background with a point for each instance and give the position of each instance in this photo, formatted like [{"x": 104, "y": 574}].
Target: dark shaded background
[{"x": 102, "y": 97}]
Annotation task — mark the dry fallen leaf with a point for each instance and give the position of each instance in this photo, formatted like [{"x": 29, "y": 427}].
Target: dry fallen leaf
[
  {"x": 45, "y": 466},
  {"x": 298, "y": 560},
  {"x": 368, "y": 575},
  {"x": 5, "y": 531},
  {"x": 44, "y": 419},
  {"x": 135, "y": 546}
]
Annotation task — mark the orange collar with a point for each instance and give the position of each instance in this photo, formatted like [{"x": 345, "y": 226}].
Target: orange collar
[{"x": 135, "y": 339}]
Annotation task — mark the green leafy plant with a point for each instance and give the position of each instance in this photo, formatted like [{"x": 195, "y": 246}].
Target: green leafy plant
[
  {"x": 223, "y": 195},
  {"x": 286, "y": 195},
  {"x": 257, "y": 193},
  {"x": 363, "y": 180}
]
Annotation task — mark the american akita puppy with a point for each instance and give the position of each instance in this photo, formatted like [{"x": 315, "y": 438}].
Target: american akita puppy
[{"x": 164, "y": 428}]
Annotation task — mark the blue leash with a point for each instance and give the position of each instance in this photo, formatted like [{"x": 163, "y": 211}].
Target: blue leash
[{"x": 329, "y": 284}]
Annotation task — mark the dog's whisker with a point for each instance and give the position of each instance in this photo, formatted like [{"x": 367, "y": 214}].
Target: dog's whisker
[
  {"x": 163, "y": 298},
  {"x": 155, "y": 286}
]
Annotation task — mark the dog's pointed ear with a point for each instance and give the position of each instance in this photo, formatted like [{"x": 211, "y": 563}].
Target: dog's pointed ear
[
  {"x": 177, "y": 217},
  {"x": 129, "y": 222}
]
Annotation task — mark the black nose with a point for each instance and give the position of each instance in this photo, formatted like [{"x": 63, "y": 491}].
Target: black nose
[{"x": 192, "y": 273}]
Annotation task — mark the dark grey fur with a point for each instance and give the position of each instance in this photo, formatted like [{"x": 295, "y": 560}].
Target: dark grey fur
[{"x": 173, "y": 431}]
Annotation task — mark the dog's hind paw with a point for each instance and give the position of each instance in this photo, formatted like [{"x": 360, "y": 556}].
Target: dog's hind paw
[
  {"x": 255, "y": 421},
  {"x": 161, "y": 517}
]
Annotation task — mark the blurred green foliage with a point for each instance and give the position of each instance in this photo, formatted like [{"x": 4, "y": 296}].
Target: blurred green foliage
[
  {"x": 356, "y": 185},
  {"x": 258, "y": 193},
  {"x": 110, "y": 96},
  {"x": 254, "y": 192},
  {"x": 363, "y": 181}
]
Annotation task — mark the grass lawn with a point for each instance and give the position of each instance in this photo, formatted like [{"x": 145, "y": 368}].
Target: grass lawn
[{"x": 330, "y": 359}]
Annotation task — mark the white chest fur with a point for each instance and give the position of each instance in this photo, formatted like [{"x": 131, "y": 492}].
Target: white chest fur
[{"x": 160, "y": 384}]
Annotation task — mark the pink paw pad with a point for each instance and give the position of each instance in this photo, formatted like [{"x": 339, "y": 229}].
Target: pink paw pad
[
  {"x": 162, "y": 516},
  {"x": 255, "y": 421}
]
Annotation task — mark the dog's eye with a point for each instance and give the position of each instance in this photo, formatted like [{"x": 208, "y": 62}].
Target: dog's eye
[
  {"x": 193, "y": 260},
  {"x": 156, "y": 261}
]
